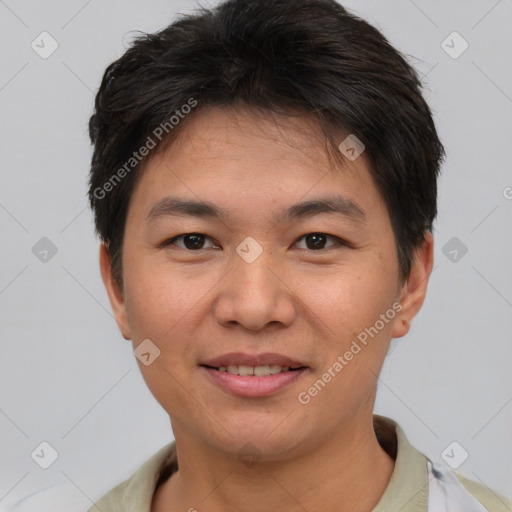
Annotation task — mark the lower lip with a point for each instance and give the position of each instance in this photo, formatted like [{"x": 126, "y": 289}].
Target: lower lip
[{"x": 251, "y": 386}]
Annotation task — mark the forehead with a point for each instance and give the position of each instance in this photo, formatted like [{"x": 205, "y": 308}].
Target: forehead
[
  {"x": 242, "y": 132},
  {"x": 263, "y": 159}
]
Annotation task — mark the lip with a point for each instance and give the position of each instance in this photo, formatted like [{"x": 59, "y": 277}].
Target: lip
[
  {"x": 238, "y": 358},
  {"x": 252, "y": 386}
]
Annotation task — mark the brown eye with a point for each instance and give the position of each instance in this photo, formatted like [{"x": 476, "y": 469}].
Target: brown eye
[
  {"x": 317, "y": 241},
  {"x": 191, "y": 241}
]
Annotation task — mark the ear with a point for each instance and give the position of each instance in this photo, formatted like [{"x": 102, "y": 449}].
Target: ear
[
  {"x": 414, "y": 289},
  {"x": 114, "y": 292}
]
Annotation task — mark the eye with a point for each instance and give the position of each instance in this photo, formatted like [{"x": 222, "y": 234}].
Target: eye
[
  {"x": 196, "y": 241},
  {"x": 191, "y": 241},
  {"x": 316, "y": 241}
]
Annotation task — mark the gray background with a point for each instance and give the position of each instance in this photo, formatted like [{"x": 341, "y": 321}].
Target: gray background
[{"x": 67, "y": 377}]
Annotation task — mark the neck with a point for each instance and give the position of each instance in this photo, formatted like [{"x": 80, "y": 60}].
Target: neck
[{"x": 349, "y": 472}]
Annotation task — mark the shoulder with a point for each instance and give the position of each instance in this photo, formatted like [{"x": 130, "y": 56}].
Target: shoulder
[
  {"x": 490, "y": 499},
  {"x": 112, "y": 501},
  {"x": 136, "y": 493}
]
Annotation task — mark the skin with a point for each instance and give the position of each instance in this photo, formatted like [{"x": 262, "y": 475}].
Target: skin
[{"x": 294, "y": 299}]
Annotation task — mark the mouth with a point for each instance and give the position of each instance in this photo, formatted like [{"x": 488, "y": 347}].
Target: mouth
[
  {"x": 261, "y": 381},
  {"x": 255, "y": 371},
  {"x": 243, "y": 374}
]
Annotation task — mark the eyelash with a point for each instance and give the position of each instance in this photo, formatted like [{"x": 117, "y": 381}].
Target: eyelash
[{"x": 339, "y": 242}]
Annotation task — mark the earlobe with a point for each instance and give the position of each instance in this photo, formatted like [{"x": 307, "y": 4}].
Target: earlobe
[
  {"x": 115, "y": 295},
  {"x": 414, "y": 289}
]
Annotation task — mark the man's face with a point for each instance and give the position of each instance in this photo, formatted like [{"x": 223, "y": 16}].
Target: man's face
[{"x": 306, "y": 297}]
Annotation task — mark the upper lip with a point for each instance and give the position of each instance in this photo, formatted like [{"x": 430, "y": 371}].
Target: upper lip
[{"x": 239, "y": 358}]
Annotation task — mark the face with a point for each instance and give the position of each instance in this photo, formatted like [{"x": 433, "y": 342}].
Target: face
[{"x": 263, "y": 276}]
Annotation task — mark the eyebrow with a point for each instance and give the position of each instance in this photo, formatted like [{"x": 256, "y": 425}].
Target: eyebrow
[{"x": 338, "y": 204}]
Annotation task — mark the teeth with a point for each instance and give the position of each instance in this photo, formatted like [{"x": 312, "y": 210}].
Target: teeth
[
  {"x": 262, "y": 371},
  {"x": 275, "y": 368},
  {"x": 242, "y": 369},
  {"x": 258, "y": 371}
]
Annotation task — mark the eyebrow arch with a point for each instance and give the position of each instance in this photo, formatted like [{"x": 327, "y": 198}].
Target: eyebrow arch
[{"x": 337, "y": 204}]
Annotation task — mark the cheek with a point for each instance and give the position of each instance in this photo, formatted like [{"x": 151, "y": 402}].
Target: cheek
[
  {"x": 351, "y": 306},
  {"x": 350, "y": 299},
  {"x": 160, "y": 306},
  {"x": 159, "y": 297}
]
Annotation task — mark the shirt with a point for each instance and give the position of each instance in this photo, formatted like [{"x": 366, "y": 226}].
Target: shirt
[{"x": 416, "y": 485}]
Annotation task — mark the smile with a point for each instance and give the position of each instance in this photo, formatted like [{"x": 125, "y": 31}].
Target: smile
[
  {"x": 258, "y": 371},
  {"x": 253, "y": 381}
]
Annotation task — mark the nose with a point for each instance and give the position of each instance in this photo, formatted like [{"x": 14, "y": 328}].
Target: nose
[{"x": 254, "y": 295}]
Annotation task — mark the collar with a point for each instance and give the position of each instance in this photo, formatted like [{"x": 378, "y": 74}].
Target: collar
[{"x": 407, "y": 490}]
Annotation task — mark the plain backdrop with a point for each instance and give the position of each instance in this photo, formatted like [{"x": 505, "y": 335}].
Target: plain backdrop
[{"x": 68, "y": 378}]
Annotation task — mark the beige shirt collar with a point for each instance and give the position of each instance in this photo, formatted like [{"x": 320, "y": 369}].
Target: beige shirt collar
[{"x": 407, "y": 490}]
